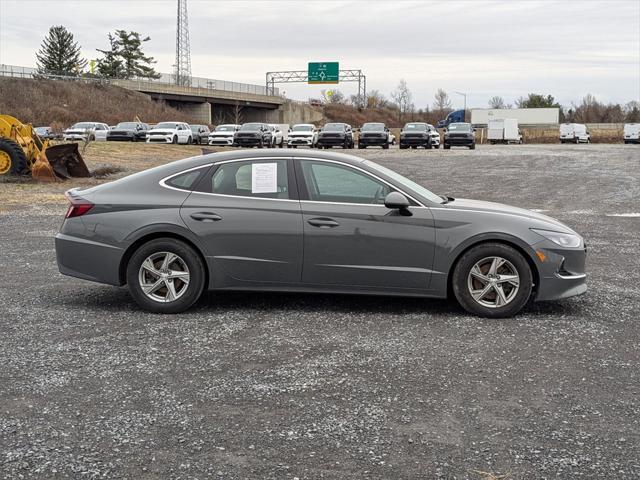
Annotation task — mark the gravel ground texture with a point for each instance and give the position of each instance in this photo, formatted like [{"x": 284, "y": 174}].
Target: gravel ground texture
[{"x": 285, "y": 386}]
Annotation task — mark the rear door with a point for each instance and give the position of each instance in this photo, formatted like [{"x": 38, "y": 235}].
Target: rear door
[
  {"x": 352, "y": 239},
  {"x": 247, "y": 214}
]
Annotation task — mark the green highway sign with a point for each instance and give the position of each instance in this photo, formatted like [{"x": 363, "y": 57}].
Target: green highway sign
[{"x": 324, "y": 72}]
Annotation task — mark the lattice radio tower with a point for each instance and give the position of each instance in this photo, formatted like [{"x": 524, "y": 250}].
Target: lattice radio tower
[{"x": 183, "y": 50}]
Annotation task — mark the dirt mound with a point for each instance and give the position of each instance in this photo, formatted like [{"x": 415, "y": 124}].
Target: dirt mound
[{"x": 61, "y": 103}]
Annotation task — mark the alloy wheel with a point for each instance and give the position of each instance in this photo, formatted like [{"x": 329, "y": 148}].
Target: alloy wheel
[
  {"x": 493, "y": 282},
  {"x": 164, "y": 277}
]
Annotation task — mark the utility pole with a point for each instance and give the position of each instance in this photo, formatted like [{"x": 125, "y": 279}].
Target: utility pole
[
  {"x": 465, "y": 99},
  {"x": 183, "y": 49}
]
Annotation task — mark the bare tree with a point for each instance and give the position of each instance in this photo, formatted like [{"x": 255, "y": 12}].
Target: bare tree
[
  {"x": 496, "y": 102},
  {"x": 375, "y": 99},
  {"x": 333, "y": 96},
  {"x": 237, "y": 113},
  {"x": 402, "y": 98},
  {"x": 442, "y": 102}
]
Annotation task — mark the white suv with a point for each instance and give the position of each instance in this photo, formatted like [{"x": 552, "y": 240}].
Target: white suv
[
  {"x": 303, "y": 134},
  {"x": 223, "y": 135},
  {"x": 435, "y": 136},
  {"x": 170, "y": 132},
  {"x": 277, "y": 138},
  {"x": 86, "y": 130}
]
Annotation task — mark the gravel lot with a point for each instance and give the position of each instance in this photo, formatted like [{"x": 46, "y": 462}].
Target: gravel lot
[{"x": 315, "y": 386}]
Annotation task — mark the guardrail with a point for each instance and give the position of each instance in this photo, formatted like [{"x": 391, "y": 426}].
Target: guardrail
[{"x": 165, "y": 79}]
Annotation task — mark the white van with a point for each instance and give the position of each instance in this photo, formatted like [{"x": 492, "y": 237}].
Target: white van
[
  {"x": 574, "y": 133},
  {"x": 503, "y": 130},
  {"x": 632, "y": 133}
]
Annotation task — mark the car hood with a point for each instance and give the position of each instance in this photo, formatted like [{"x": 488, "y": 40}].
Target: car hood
[
  {"x": 491, "y": 207},
  {"x": 163, "y": 131},
  {"x": 78, "y": 132},
  {"x": 121, "y": 130},
  {"x": 301, "y": 134},
  {"x": 221, "y": 134}
]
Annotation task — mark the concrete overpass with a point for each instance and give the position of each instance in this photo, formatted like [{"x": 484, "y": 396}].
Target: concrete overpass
[{"x": 208, "y": 100}]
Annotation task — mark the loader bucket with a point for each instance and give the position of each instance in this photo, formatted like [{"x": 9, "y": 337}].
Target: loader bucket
[{"x": 60, "y": 162}]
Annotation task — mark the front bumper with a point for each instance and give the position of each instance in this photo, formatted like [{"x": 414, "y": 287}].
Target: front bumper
[
  {"x": 373, "y": 141},
  {"x": 331, "y": 141},
  {"x": 120, "y": 138},
  {"x": 414, "y": 141},
  {"x": 459, "y": 141},
  {"x": 74, "y": 137},
  {"x": 226, "y": 141},
  {"x": 302, "y": 141},
  {"x": 562, "y": 274},
  {"x": 249, "y": 141},
  {"x": 159, "y": 138}
]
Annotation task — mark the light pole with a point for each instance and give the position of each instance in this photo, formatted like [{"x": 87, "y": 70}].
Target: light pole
[{"x": 465, "y": 100}]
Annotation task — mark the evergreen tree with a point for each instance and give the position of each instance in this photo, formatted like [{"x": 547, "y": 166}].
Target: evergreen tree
[
  {"x": 59, "y": 53},
  {"x": 125, "y": 58}
]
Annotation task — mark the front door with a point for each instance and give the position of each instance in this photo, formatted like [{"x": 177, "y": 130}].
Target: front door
[
  {"x": 352, "y": 239},
  {"x": 249, "y": 220}
]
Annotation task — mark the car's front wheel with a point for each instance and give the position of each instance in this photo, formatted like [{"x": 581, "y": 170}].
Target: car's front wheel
[
  {"x": 492, "y": 280},
  {"x": 165, "y": 276}
]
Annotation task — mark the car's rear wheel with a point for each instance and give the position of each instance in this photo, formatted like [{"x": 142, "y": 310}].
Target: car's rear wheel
[
  {"x": 492, "y": 280},
  {"x": 165, "y": 276}
]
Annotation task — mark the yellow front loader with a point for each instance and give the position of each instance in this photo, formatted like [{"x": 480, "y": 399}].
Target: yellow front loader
[{"x": 23, "y": 152}]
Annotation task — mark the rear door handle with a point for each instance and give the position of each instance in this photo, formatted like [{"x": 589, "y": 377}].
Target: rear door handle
[
  {"x": 206, "y": 216},
  {"x": 323, "y": 222}
]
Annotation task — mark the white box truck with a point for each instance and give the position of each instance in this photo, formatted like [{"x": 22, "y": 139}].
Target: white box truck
[
  {"x": 574, "y": 133},
  {"x": 524, "y": 116},
  {"x": 632, "y": 133},
  {"x": 504, "y": 130}
]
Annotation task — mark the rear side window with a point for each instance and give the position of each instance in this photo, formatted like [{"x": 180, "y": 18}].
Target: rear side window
[
  {"x": 255, "y": 178},
  {"x": 186, "y": 180}
]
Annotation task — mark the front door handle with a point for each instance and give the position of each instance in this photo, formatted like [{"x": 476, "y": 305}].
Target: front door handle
[
  {"x": 323, "y": 222},
  {"x": 206, "y": 216}
]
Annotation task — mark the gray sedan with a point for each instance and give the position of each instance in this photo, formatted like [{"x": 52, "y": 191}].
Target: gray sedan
[{"x": 311, "y": 222}]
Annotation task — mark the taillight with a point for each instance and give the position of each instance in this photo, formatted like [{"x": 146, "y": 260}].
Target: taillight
[{"x": 78, "y": 206}]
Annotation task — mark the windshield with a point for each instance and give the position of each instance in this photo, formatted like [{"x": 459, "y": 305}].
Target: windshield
[
  {"x": 302, "y": 128},
  {"x": 168, "y": 125},
  {"x": 334, "y": 127},
  {"x": 225, "y": 128},
  {"x": 460, "y": 127},
  {"x": 403, "y": 181},
  {"x": 127, "y": 125},
  {"x": 251, "y": 127},
  {"x": 415, "y": 126},
  {"x": 84, "y": 125},
  {"x": 373, "y": 127}
]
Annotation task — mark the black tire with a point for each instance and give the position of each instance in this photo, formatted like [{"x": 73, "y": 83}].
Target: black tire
[
  {"x": 186, "y": 253},
  {"x": 459, "y": 281},
  {"x": 19, "y": 164},
  {"x": 428, "y": 146},
  {"x": 92, "y": 138},
  {"x": 403, "y": 147},
  {"x": 436, "y": 146},
  {"x": 174, "y": 140},
  {"x": 261, "y": 144},
  {"x": 360, "y": 146},
  {"x": 472, "y": 146},
  {"x": 446, "y": 147},
  {"x": 385, "y": 146}
]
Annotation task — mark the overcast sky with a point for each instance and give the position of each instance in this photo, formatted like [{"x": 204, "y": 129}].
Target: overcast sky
[{"x": 485, "y": 48}]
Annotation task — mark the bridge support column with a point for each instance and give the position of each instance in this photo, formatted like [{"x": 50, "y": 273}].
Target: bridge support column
[{"x": 199, "y": 111}]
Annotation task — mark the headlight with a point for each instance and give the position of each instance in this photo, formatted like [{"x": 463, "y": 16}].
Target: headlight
[{"x": 563, "y": 239}]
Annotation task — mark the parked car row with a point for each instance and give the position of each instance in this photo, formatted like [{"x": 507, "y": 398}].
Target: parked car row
[{"x": 336, "y": 134}]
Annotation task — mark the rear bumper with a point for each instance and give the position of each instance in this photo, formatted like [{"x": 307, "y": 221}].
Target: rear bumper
[
  {"x": 120, "y": 138},
  {"x": 89, "y": 260}
]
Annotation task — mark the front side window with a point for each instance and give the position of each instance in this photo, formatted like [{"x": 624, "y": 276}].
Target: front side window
[
  {"x": 331, "y": 182},
  {"x": 255, "y": 178}
]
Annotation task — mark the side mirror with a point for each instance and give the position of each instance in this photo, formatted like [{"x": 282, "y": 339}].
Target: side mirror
[{"x": 396, "y": 200}]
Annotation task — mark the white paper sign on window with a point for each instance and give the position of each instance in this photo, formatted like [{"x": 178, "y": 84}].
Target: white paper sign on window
[{"x": 264, "y": 178}]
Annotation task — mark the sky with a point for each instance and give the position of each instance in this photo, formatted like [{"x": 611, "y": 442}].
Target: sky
[{"x": 481, "y": 48}]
